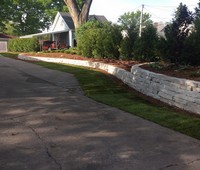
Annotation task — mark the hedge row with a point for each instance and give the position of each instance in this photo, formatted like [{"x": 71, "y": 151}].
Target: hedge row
[
  {"x": 66, "y": 51},
  {"x": 105, "y": 40},
  {"x": 23, "y": 45}
]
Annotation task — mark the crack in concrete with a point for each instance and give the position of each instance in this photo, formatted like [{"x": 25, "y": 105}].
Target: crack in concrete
[
  {"x": 168, "y": 166},
  {"x": 191, "y": 162},
  {"x": 46, "y": 147},
  {"x": 38, "y": 136},
  {"x": 54, "y": 159},
  {"x": 173, "y": 165}
]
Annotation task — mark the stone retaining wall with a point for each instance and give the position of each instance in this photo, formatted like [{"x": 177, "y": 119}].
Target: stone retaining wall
[{"x": 181, "y": 93}]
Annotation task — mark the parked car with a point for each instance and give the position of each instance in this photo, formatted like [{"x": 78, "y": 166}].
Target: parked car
[
  {"x": 49, "y": 45},
  {"x": 53, "y": 45}
]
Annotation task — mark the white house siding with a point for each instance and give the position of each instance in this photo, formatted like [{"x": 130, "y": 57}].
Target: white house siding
[
  {"x": 3, "y": 46},
  {"x": 60, "y": 25}
]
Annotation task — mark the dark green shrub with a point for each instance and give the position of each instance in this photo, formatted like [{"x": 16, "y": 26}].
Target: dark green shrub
[
  {"x": 23, "y": 45},
  {"x": 145, "y": 47},
  {"x": 191, "y": 52},
  {"x": 99, "y": 40},
  {"x": 127, "y": 44}
]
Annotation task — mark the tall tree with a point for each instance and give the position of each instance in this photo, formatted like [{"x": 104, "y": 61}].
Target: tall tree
[
  {"x": 79, "y": 10},
  {"x": 130, "y": 24},
  {"x": 21, "y": 17},
  {"x": 53, "y": 6},
  {"x": 3, "y": 14},
  {"x": 25, "y": 16},
  {"x": 28, "y": 16},
  {"x": 177, "y": 32},
  {"x": 192, "y": 44},
  {"x": 131, "y": 20}
]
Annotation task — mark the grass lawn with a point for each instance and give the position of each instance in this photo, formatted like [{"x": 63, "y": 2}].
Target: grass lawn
[{"x": 104, "y": 88}]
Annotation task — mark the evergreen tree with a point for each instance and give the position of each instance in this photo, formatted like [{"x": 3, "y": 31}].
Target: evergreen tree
[
  {"x": 192, "y": 44},
  {"x": 145, "y": 48},
  {"x": 176, "y": 34}
]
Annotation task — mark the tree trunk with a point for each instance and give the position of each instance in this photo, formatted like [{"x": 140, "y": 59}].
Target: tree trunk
[{"x": 79, "y": 15}]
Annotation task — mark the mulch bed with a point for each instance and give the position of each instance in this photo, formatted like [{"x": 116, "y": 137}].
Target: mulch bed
[{"x": 187, "y": 73}]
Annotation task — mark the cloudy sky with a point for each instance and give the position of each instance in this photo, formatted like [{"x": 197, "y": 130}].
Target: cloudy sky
[{"x": 160, "y": 10}]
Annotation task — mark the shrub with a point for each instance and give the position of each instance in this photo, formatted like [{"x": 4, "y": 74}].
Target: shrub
[
  {"x": 127, "y": 44},
  {"x": 145, "y": 47},
  {"x": 99, "y": 40},
  {"x": 23, "y": 45},
  {"x": 191, "y": 52}
]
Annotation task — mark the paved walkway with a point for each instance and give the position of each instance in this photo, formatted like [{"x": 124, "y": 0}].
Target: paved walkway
[{"x": 46, "y": 123}]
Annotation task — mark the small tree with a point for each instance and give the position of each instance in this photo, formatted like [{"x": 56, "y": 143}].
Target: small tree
[
  {"x": 145, "y": 48},
  {"x": 127, "y": 44}
]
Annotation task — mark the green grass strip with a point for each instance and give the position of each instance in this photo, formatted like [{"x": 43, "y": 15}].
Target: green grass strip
[{"x": 103, "y": 88}]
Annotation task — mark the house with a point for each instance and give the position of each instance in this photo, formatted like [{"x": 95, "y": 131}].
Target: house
[
  {"x": 160, "y": 26},
  {"x": 3, "y": 42},
  {"x": 62, "y": 30},
  {"x": 99, "y": 18}
]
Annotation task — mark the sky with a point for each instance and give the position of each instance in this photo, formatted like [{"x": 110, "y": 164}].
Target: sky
[{"x": 160, "y": 10}]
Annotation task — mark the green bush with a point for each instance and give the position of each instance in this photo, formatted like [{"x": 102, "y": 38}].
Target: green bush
[
  {"x": 191, "y": 52},
  {"x": 23, "y": 45},
  {"x": 99, "y": 40},
  {"x": 145, "y": 47},
  {"x": 127, "y": 44}
]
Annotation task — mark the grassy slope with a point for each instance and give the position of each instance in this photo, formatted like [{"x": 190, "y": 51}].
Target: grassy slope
[{"x": 105, "y": 89}]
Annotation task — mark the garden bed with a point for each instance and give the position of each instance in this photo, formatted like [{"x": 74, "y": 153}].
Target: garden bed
[{"x": 186, "y": 72}]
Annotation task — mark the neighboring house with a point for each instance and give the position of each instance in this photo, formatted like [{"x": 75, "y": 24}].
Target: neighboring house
[
  {"x": 62, "y": 30},
  {"x": 99, "y": 18},
  {"x": 3, "y": 42},
  {"x": 160, "y": 26}
]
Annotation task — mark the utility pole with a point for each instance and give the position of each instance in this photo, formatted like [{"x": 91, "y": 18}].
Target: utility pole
[{"x": 141, "y": 18}]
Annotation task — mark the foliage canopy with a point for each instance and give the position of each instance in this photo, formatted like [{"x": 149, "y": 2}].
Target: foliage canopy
[{"x": 21, "y": 17}]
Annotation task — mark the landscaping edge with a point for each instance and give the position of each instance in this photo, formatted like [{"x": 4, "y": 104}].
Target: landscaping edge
[{"x": 182, "y": 93}]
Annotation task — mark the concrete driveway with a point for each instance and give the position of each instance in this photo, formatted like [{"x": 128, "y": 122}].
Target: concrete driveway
[{"x": 46, "y": 123}]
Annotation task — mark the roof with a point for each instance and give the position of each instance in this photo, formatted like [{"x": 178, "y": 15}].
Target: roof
[
  {"x": 42, "y": 33},
  {"x": 4, "y": 36},
  {"x": 68, "y": 20},
  {"x": 99, "y": 18}
]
